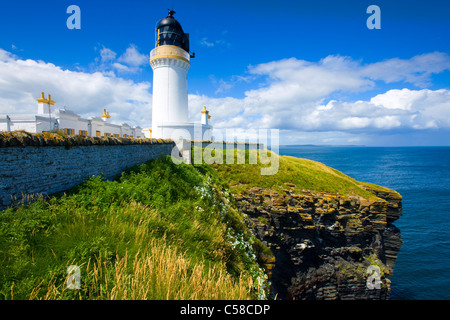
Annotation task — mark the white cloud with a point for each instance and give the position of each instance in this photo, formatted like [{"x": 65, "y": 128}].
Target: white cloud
[
  {"x": 120, "y": 67},
  {"x": 398, "y": 99},
  {"x": 222, "y": 110},
  {"x": 395, "y": 109},
  {"x": 131, "y": 61},
  {"x": 220, "y": 42},
  {"x": 354, "y": 122},
  {"x": 292, "y": 82},
  {"x": 107, "y": 55},
  {"x": 225, "y": 85},
  {"x": 87, "y": 94},
  {"x": 293, "y": 93},
  {"x": 206, "y": 43},
  {"x": 416, "y": 70},
  {"x": 132, "y": 57},
  {"x": 6, "y": 56}
]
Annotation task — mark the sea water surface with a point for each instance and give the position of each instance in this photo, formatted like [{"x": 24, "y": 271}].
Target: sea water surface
[{"x": 422, "y": 176}]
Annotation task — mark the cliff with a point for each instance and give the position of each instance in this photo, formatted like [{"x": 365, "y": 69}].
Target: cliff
[
  {"x": 325, "y": 245},
  {"x": 316, "y": 231}
]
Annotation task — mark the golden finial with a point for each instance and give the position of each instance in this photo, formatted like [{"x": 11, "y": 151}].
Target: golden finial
[
  {"x": 204, "y": 110},
  {"x": 105, "y": 114},
  {"x": 43, "y": 100}
]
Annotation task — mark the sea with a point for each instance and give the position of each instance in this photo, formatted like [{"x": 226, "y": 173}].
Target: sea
[{"x": 422, "y": 176}]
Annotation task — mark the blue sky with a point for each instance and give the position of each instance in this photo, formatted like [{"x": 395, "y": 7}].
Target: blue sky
[{"x": 311, "y": 69}]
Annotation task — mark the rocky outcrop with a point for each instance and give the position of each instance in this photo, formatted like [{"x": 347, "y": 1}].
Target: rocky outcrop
[{"x": 325, "y": 246}]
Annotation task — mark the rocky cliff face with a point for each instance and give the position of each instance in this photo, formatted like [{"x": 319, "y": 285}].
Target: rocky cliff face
[{"x": 326, "y": 246}]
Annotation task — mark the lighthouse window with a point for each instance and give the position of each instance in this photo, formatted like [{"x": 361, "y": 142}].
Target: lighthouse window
[{"x": 170, "y": 36}]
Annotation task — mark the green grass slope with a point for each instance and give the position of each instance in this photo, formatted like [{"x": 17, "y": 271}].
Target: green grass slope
[
  {"x": 160, "y": 231},
  {"x": 305, "y": 174}
]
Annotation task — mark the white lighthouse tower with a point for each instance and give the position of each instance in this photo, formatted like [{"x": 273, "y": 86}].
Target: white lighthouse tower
[{"x": 170, "y": 61}]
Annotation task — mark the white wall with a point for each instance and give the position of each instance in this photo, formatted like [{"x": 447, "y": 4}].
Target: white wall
[
  {"x": 67, "y": 121},
  {"x": 29, "y": 125},
  {"x": 97, "y": 124}
]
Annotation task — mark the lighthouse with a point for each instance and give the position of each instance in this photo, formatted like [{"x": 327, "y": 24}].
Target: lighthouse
[{"x": 170, "y": 61}]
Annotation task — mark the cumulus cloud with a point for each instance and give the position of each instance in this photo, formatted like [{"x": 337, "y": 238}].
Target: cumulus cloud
[
  {"x": 130, "y": 62},
  {"x": 133, "y": 58},
  {"x": 223, "y": 110},
  {"x": 6, "y": 56},
  {"x": 416, "y": 70},
  {"x": 395, "y": 109},
  {"x": 85, "y": 93},
  {"x": 107, "y": 55},
  {"x": 293, "y": 79},
  {"x": 296, "y": 96}
]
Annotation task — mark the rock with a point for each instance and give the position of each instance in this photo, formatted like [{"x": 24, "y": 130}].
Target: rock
[
  {"x": 323, "y": 243},
  {"x": 289, "y": 184}
]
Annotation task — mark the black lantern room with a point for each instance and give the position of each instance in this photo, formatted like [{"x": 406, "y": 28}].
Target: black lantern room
[{"x": 170, "y": 32}]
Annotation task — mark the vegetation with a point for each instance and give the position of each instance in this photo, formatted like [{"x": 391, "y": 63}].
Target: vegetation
[
  {"x": 21, "y": 138},
  {"x": 303, "y": 173},
  {"x": 159, "y": 231}
]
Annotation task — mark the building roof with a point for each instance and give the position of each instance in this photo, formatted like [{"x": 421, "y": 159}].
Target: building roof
[
  {"x": 170, "y": 32},
  {"x": 68, "y": 112}
]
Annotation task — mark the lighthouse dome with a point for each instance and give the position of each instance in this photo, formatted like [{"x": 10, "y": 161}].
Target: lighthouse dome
[
  {"x": 169, "y": 21},
  {"x": 170, "y": 32}
]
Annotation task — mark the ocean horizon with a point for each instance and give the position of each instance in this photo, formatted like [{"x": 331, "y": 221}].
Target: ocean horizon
[{"x": 421, "y": 176}]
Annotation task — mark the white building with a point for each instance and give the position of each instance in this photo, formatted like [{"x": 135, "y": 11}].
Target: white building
[
  {"x": 170, "y": 61},
  {"x": 49, "y": 119}
]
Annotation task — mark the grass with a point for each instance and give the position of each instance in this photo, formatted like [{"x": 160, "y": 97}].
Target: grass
[
  {"x": 160, "y": 231},
  {"x": 160, "y": 273},
  {"x": 303, "y": 173}
]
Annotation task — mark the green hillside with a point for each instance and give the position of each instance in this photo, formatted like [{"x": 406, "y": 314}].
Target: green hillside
[
  {"x": 303, "y": 173},
  {"x": 160, "y": 231}
]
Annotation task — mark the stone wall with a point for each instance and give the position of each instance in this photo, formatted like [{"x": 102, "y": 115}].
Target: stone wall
[
  {"x": 34, "y": 169},
  {"x": 47, "y": 163}
]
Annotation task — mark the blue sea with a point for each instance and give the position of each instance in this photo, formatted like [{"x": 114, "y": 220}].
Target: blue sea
[{"x": 422, "y": 176}]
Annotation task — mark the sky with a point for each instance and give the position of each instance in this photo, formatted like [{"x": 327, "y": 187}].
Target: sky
[{"x": 311, "y": 69}]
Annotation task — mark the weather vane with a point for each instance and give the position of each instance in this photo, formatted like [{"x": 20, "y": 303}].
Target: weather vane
[{"x": 171, "y": 12}]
